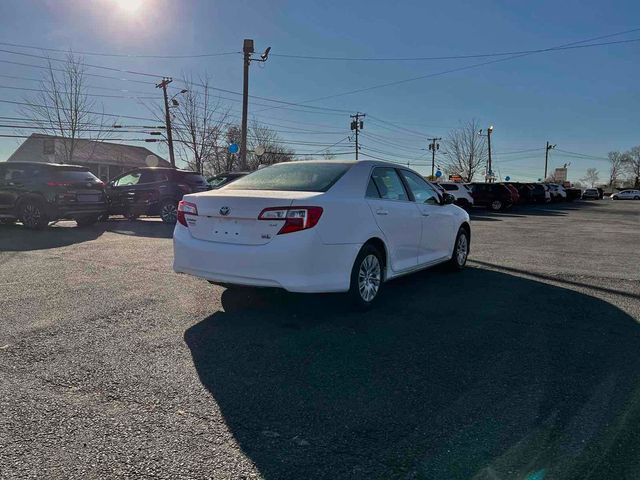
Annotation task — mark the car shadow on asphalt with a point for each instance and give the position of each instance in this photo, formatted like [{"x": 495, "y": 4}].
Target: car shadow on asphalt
[
  {"x": 517, "y": 211},
  {"x": 478, "y": 374},
  {"x": 17, "y": 238}
]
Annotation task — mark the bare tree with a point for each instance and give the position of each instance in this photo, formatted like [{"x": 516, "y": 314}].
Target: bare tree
[
  {"x": 591, "y": 176},
  {"x": 275, "y": 149},
  {"x": 617, "y": 161},
  {"x": 467, "y": 151},
  {"x": 632, "y": 165},
  {"x": 198, "y": 127},
  {"x": 63, "y": 108},
  {"x": 328, "y": 155}
]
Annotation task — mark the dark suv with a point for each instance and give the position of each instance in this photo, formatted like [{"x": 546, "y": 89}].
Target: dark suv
[
  {"x": 493, "y": 195},
  {"x": 152, "y": 191},
  {"x": 39, "y": 193}
]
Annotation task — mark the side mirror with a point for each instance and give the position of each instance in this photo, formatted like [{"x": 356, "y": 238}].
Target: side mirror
[{"x": 448, "y": 199}]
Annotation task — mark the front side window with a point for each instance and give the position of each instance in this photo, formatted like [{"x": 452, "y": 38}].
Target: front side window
[
  {"x": 129, "y": 179},
  {"x": 422, "y": 191},
  {"x": 388, "y": 184}
]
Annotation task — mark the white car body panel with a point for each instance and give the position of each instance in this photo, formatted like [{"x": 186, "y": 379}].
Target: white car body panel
[{"x": 240, "y": 249}]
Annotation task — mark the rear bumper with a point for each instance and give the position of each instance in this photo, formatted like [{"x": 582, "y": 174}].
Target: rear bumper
[
  {"x": 297, "y": 262},
  {"x": 76, "y": 210}
]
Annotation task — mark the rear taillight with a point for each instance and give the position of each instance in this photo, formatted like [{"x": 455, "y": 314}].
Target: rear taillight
[
  {"x": 295, "y": 218},
  {"x": 186, "y": 208}
]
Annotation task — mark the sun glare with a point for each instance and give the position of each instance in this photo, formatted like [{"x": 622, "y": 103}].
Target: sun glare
[{"x": 129, "y": 7}]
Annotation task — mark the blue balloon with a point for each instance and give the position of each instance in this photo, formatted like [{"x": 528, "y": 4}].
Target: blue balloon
[
  {"x": 438, "y": 174},
  {"x": 234, "y": 148},
  {"x": 507, "y": 178}
]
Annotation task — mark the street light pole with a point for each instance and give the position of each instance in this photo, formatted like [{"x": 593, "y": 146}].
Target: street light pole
[
  {"x": 433, "y": 146},
  {"x": 546, "y": 158}
]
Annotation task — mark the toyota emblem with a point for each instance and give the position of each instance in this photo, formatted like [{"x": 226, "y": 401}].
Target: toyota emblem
[{"x": 224, "y": 211}]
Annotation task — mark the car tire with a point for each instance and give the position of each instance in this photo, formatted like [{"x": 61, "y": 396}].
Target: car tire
[
  {"x": 496, "y": 205},
  {"x": 460, "y": 250},
  {"x": 87, "y": 221},
  {"x": 33, "y": 214},
  {"x": 636, "y": 198},
  {"x": 169, "y": 212},
  {"x": 367, "y": 276}
]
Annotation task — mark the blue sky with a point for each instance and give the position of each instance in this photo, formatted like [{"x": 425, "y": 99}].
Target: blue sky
[{"x": 583, "y": 100}]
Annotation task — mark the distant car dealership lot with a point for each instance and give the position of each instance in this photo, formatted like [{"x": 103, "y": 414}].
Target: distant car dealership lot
[{"x": 113, "y": 365}]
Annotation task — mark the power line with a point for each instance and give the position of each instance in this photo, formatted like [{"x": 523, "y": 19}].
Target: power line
[
  {"x": 321, "y": 57},
  {"x": 471, "y": 66},
  {"x": 118, "y": 55},
  {"x": 457, "y": 57}
]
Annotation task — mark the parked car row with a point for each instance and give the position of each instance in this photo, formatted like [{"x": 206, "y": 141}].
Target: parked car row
[
  {"x": 502, "y": 195},
  {"x": 39, "y": 193}
]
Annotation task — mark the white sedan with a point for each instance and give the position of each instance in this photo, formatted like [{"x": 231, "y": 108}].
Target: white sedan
[{"x": 326, "y": 226}]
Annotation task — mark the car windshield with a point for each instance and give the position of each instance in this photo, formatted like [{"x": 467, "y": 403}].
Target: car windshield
[
  {"x": 293, "y": 177},
  {"x": 218, "y": 180}
]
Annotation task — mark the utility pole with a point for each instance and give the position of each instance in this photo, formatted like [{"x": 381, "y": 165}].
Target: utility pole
[
  {"x": 247, "y": 50},
  {"x": 357, "y": 125},
  {"x": 433, "y": 146},
  {"x": 167, "y": 118},
  {"x": 546, "y": 158}
]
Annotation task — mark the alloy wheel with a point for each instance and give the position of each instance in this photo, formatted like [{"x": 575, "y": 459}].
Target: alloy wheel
[
  {"x": 369, "y": 276},
  {"x": 31, "y": 215},
  {"x": 169, "y": 213},
  {"x": 496, "y": 205},
  {"x": 462, "y": 249}
]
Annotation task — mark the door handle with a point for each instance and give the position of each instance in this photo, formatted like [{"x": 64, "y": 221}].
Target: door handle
[{"x": 382, "y": 212}]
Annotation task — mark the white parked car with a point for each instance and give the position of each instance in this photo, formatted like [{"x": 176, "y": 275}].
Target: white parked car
[
  {"x": 326, "y": 226},
  {"x": 626, "y": 195},
  {"x": 461, "y": 192},
  {"x": 557, "y": 192}
]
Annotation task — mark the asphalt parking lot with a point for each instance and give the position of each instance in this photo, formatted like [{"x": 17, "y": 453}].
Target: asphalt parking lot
[{"x": 524, "y": 366}]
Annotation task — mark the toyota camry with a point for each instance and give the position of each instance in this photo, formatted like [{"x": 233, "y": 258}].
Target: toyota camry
[{"x": 320, "y": 226}]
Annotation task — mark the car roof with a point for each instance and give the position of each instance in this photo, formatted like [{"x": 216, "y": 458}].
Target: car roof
[{"x": 47, "y": 164}]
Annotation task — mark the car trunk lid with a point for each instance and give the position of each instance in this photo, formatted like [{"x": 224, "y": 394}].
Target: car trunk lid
[{"x": 231, "y": 216}]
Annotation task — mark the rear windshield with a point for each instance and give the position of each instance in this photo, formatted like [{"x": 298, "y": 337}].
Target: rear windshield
[
  {"x": 73, "y": 175},
  {"x": 293, "y": 177},
  {"x": 191, "y": 177}
]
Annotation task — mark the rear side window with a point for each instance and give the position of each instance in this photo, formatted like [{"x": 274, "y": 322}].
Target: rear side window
[
  {"x": 152, "y": 176},
  {"x": 293, "y": 177}
]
